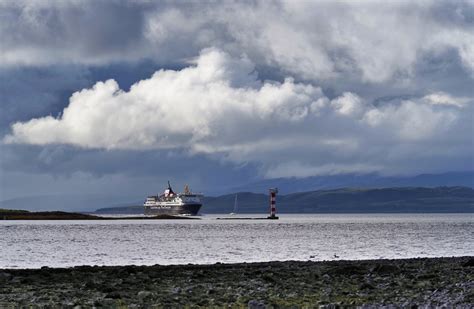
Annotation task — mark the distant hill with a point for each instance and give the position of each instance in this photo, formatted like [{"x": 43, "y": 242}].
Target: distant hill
[
  {"x": 78, "y": 203},
  {"x": 292, "y": 184},
  {"x": 386, "y": 200}
]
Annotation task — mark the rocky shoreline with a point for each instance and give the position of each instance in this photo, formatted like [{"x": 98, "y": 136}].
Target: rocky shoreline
[{"x": 422, "y": 282}]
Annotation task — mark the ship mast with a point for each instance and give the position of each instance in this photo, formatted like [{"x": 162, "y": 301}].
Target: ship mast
[{"x": 235, "y": 204}]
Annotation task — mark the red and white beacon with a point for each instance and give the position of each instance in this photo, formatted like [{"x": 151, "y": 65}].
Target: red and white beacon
[{"x": 273, "y": 193}]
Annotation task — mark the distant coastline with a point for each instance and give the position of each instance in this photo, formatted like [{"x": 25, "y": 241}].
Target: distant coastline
[{"x": 346, "y": 200}]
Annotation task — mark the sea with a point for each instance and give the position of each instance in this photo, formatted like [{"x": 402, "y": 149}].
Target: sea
[{"x": 304, "y": 237}]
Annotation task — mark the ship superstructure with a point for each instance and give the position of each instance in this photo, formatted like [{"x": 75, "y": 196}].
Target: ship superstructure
[{"x": 171, "y": 203}]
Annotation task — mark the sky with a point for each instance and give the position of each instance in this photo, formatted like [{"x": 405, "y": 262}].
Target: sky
[{"x": 117, "y": 97}]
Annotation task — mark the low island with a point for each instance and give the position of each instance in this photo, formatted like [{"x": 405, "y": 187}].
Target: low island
[{"x": 11, "y": 214}]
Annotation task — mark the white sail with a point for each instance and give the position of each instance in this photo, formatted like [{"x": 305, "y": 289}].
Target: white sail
[{"x": 235, "y": 206}]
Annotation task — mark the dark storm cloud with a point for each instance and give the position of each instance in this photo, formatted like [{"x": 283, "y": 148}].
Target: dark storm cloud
[
  {"x": 27, "y": 170},
  {"x": 315, "y": 40},
  {"x": 48, "y": 32},
  {"x": 31, "y": 92},
  {"x": 58, "y": 159}
]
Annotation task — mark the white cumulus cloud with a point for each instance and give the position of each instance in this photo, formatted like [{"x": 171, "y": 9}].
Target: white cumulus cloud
[
  {"x": 218, "y": 106},
  {"x": 173, "y": 108}
]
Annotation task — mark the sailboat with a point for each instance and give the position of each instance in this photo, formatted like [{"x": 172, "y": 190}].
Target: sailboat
[{"x": 234, "y": 212}]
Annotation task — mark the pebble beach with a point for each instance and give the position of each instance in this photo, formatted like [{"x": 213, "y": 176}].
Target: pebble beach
[{"x": 422, "y": 282}]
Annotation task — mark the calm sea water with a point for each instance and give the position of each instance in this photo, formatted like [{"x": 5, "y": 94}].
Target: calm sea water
[{"x": 31, "y": 244}]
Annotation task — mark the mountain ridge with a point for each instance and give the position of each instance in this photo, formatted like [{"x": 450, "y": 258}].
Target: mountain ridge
[
  {"x": 371, "y": 180},
  {"x": 347, "y": 200}
]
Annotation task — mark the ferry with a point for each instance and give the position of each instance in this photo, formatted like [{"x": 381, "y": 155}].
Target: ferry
[{"x": 171, "y": 203}]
